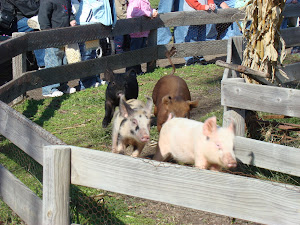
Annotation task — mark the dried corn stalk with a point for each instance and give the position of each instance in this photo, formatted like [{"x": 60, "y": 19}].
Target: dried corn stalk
[{"x": 264, "y": 41}]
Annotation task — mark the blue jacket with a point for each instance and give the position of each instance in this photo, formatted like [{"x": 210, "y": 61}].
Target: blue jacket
[{"x": 96, "y": 11}]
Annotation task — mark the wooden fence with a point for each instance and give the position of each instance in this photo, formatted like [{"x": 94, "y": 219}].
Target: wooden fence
[{"x": 225, "y": 194}]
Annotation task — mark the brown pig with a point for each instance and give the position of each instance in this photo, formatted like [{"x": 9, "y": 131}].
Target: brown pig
[
  {"x": 131, "y": 125},
  {"x": 203, "y": 144},
  {"x": 171, "y": 95}
]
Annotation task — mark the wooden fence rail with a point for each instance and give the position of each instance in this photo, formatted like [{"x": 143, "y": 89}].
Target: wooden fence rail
[
  {"x": 225, "y": 194},
  {"x": 221, "y": 193}
]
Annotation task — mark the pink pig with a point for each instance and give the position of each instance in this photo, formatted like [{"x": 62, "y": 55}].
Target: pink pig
[{"x": 203, "y": 144}]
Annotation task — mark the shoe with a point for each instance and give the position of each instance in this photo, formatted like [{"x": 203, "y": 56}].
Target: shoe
[
  {"x": 200, "y": 60},
  {"x": 103, "y": 82},
  {"x": 54, "y": 94},
  {"x": 70, "y": 90},
  {"x": 295, "y": 50},
  {"x": 189, "y": 62},
  {"x": 33, "y": 23}
]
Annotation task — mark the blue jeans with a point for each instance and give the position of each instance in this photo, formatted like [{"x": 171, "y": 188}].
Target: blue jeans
[
  {"x": 87, "y": 54},
  {"x": 232, "y": 30},
  {"x": 195, "y": 33},
  {"x": 137, "y": 43},
  {"x": 54, "y": 57},
  {"x": 22, "y": 26},
  {"x": 164, "y": 35},
  {"x": 118, "y": 40}
]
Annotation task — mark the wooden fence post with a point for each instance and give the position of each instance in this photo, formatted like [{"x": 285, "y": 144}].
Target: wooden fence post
[
  {"x": 56, "y": 185},
  {"x": 236, "y": 115},
  {"x": 19, "y": 66},
  {"x": 152, "y": 41}
]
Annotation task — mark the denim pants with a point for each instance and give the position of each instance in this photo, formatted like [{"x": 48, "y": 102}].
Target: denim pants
[
  {"x": 22, "y": 26},
  {"x": 87, "y": 54},
  {"x": 137, "y": 43},
  {"x": 164, "y": 35},
  {"x": 54, "y": 57},
  {"x": 195, "y": 33}
]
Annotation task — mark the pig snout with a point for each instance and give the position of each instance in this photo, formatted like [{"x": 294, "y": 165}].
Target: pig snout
[
  {"x": 229, "y": 160},
  {"x": 145, "y": 138}
]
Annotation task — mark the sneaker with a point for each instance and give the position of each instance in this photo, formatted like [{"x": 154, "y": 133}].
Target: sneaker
[
  {"x": 54, "y": 94},
  {"x": 103, "y": 82},
  {"x": 70, "y": 90},
  {"x": 200, "y": 60},
  {"x": 97, "y": 84},
  {"x": 33, "y": 23}
]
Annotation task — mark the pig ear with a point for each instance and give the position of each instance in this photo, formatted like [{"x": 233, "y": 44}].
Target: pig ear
[
  {"x": 125, "y": 109},
  {"x": 108, "y": 75},
  {"x": 131, "y": 72},
  {"x": 166, "y": 99},
  {"x": 210, "y": 126},
  {"x": 193, "y": 104},
  {"x": 149, "y": 104}
]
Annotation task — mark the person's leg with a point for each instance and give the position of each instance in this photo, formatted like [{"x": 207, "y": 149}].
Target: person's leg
[
  {"x": 136, "y": 43},
  {"x": 118, "y": 40},
  {"x": 51, "y": 60},
  {"x": 164, "y": 35},
  {"x": 195, "y": 33},
  {"x": 87, "y": 54},
  {"x": 22, "y": 26}
]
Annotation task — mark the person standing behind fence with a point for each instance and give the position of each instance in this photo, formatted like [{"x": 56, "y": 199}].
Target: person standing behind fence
[
  {"x": 121, "y": 8},
  {"x": 137, "y": 8},
  {"x": 55, "y": 14},
  {"x": 164, "y": 34},
  {"x": 90, "y": 12},
  {"x": 23, "y": 10},
  {"x": 197, "y": 32}
]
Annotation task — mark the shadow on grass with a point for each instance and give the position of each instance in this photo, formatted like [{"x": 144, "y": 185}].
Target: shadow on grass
[
  {"x": 33, "y": 107},
  {"x": 84, "y": 209}
]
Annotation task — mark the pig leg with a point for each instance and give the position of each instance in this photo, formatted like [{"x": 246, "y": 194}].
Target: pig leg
[
  {"x": 120, "y": 148},
  {"x": 159, "y": 156},
  {"x": 109, "y": 112},
  {"x": 215, "y": 167},
  {"x": 137, "y": 150},
  {"x": 201, "y": 162}
]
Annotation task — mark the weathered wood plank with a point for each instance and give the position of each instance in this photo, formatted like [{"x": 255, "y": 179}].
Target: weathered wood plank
[
  {"x": 291, "y": 10},
  {"x": 263, "y": 98},
  {"x": 69, "y": 35},
  {"x": 221, "y": 193},
  {"x": 36, "y": 79},
  {"x": 19, "y": 66},
  {"x": 56, "y": 185},
  {"x": 292, "y": 72},
  {"x": 25, "y": 134},
  {"x": 20, "y": 198},
  {"x": 291, "y": 36},
  {"x": 266, "y": 155}
]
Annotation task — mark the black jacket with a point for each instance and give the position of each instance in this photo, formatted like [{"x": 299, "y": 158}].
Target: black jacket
[
  {"x": 55, "y": 14},
  {"x": 21, "y": 8}
]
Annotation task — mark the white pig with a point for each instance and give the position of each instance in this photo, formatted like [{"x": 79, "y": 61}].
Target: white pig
[
  {"x": 131, "y": 125},
  {"x": 203, "y": 144}
]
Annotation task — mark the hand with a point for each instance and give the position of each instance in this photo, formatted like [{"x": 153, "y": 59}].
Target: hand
[
  {"x": 212, "y": 7},
  {"x": 206, "y": 7},
  {"x": 73, "y": 23},
  {"x": 154, "y": 13}
]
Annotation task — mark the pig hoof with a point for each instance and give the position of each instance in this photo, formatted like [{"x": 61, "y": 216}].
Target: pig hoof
[{"x": 104, "y": 123}]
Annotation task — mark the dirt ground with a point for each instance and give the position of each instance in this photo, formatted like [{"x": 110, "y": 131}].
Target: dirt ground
[{"x": 161, "y": 212}]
